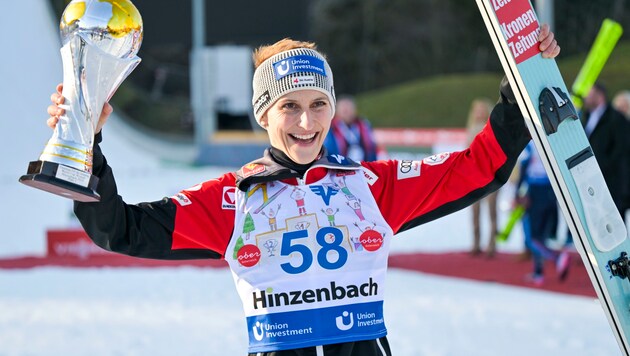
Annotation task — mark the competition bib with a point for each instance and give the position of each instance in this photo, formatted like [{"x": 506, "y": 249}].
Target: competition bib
[{"x": 309, "y": 262}]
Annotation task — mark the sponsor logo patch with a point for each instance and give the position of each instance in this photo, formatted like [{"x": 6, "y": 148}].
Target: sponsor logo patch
[
  {"x": 325, "y": 192},
  {"x": 248, "y": 255},
  {"x": 519, "y": 26},
  {"x": 371, "y": 240},
  {"x": 251, "y": 169},
  {"x": 369, "y": 176},
  {"x": 262, "y": 100},
  {"x": 229, "y": 198},
  {"x": 303, "y": 80},
  {"x": 182, "y": 199},
  {"x": 436, "y": 159},
  {"x": 408, "y": 169},
  {"x": 298, "y": 64},
  {"x": 345, "y": 173},
  {"x": 338, "y": 159}
]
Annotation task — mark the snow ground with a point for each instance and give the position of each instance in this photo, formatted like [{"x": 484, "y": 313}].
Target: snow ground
[{"x": 192, "y": 311}]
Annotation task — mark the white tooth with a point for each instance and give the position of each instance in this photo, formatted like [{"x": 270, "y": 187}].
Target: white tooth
[{"x": 304, "y": 137}]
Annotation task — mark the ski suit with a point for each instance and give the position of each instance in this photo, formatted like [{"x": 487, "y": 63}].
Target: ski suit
[{"x": 307, "y": 288}]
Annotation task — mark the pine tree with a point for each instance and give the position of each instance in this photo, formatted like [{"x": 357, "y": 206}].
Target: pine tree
[
  {"x": 248, "y": 226},
  {"x": 239, "y": 244}
]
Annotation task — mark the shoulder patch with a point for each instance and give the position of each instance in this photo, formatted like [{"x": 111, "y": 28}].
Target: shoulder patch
[
  {"x": 228, "y": 201},
  {"x": 182, "y": 199},
  {"x": 436, "y": 159},
  {"x": 408, "y": 169},
  {"x": 370, "y": 177},
  {"x": 252, "y": 169}
]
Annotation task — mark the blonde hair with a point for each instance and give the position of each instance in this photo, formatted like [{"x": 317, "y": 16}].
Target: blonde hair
[
  {"x": 265, "y": 52},
  {"x": 621, "y": 102},
  {"x": 479, "y": 112}
]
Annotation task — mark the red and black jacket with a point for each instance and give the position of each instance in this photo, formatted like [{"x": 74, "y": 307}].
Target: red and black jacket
[{"x": 163, "y": 230}]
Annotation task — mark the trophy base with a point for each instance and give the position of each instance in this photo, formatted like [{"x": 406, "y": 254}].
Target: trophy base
[{"x": 62, "y": 180}]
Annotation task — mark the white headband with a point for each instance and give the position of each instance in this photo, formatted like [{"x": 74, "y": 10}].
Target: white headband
[{"x": 285, "y": 72}]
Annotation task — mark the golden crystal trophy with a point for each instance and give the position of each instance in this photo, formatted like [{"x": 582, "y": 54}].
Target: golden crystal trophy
[{"x": 100, "y": 41}]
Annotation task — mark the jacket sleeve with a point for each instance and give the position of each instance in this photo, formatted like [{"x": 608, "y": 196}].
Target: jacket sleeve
[
  {"x": 190, "y": 225},
  {"x": 410, "y": 193}
]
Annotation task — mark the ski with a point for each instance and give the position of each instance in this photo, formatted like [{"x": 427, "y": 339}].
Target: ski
[{"x": 599, "y": 232}]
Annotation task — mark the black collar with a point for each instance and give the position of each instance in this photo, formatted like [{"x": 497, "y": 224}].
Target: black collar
[
  {"x": 280, "y": 157},
  {"x": 275, "y": 165}
]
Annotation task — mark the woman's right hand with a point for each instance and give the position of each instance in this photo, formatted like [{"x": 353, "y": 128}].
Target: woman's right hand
[{"x": 55, "y": 111}]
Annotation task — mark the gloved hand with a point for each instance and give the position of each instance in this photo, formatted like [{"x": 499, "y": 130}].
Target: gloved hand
[{"x": 506, "y": 91}]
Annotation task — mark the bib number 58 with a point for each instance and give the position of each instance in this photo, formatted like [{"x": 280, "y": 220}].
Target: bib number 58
[{"x": 291, "y": 244}]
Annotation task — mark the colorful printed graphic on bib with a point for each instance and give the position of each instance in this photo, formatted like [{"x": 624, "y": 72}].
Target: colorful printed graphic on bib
[
  {"x": 307, "y": 259},
  {"x": 304, "y": 243}
]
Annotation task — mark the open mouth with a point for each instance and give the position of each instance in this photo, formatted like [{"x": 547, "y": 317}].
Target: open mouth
[{"x": 304, "y": 139}]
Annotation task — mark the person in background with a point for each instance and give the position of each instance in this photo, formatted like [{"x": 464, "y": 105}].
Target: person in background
[
  {"x": 478, "y": 116},
  {"x": 607, "y": 132},
  {"x": 540, "y": 222},
  {"x": 350, "y": 135},
  {"x": 621, "y": 102}
]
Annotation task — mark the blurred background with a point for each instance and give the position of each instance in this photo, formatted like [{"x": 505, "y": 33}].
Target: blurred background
[
  {"x": 411, "y": 63},
  {"x": 183, "y": 116}
]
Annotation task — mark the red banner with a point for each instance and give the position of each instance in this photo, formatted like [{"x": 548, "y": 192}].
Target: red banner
[
  {"x": 72, "y": 243},
  {"x": 419, "y": 137}
]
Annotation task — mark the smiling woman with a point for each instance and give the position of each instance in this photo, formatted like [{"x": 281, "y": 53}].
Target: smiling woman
[
  {"x": 306, "y": 288},
  {"x": 298, "y": 123}
]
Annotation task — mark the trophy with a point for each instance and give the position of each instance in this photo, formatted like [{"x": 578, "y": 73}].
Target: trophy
[{"x": 100, "y": 41}]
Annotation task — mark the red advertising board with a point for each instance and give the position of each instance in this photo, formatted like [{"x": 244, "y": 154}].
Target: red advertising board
[
  {"x": 419, "y": 137},
  {"x": 73, "y": 243}
]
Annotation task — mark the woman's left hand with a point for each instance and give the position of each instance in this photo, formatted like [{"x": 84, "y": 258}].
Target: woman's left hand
[{"x": 548, "y": 44}]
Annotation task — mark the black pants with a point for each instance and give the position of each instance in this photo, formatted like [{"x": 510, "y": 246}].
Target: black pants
[{"x": 374, "y": 347}]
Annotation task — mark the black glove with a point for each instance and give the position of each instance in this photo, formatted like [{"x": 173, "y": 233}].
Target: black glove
[{"x": 506, "y": 91}]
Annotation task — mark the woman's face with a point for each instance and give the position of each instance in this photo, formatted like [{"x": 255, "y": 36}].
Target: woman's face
[{"x": 298, "y": 123}]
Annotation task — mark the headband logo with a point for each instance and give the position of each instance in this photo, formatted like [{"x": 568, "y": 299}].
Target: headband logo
[
  {"x": 299, "y": 64},
  {"x": 262, "y": 101},
  {"x": 303, "y": 80}
]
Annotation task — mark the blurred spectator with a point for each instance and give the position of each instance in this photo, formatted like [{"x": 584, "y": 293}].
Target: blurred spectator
[
  {"x": 607, "y": 133},
  {"x": 477, "y": 117},
  {"x": 621, "y": 102},
  {"x": 351, "y": 135},
  {"x": 540, "y": 221}
]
